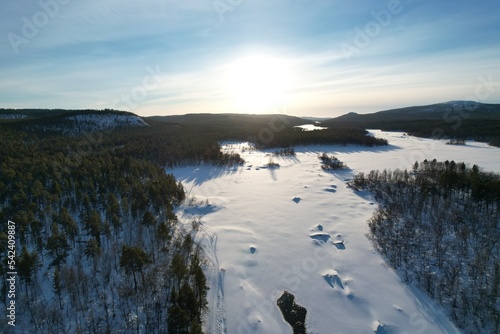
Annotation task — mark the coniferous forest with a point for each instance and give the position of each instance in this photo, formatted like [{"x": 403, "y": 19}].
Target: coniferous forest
[
  {"x": 438, "y": 225},
  {"x": 99, "y": 248}
]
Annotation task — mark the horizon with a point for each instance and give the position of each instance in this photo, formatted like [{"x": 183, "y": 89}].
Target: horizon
[
  {"x": 306, "y": 117},
  {"x": 308, "y": 60}
]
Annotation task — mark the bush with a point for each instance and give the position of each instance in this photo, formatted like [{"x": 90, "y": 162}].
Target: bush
[{"x": 331, "y": 162}]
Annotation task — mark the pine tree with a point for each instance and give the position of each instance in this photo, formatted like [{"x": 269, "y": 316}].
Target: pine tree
[
  {"x": 69, "y": 225},
  {"x": 27, "y": 266},
  {"x": 178, "y": 268},
  {"x": 93, "y": 225},
  {"x": 57, "y": 246},
  {"x": 93, "y": 251},
  {"x": 56, "y": 284},
  {"x": 186, "y": 299},
  {"x": 133, "y": 260},
  {"x": 178, "y": 320},
  {"x": 148, "y": 219},
  {"x": 199, "y": 283}
]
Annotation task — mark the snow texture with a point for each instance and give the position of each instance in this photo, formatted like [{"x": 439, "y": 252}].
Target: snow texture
[
  {"x": 86, "y": 123},
  {"x": 107, "y": 121},
  {"x": 262, "y": 243}
]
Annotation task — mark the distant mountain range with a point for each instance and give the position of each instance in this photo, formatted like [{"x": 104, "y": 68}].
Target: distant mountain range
[
  {"x": 229, "y": 119},
  {"x": 447, "y": 111},
  {"x": 454, "y": 119}
]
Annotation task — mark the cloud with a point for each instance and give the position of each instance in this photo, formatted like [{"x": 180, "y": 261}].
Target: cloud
[{"x": 93, "y": 52}]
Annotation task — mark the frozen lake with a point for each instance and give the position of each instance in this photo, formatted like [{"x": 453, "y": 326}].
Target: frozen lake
[{"x": 301, "y": 229}]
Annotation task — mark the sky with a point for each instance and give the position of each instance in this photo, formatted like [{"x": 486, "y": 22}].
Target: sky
[{"x": 318, "y": 58}]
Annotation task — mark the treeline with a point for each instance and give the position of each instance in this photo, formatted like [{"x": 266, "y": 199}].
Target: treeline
[
  {"x": 483, "y": 130},
  {"x": 466, "y": 129},
  {"x": 265, "y": 131},
  {"x": 99, "y": 249},
  {"x": 331, "y": 136},
  {"x": 462, "y": 120},
  {"x": 194, "y": 139},
  {"x": 439, "y": 226},
  {"x": 171, "y": 145}
]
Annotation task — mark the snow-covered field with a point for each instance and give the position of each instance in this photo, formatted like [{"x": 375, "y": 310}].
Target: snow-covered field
[{"x": 301, "y": 229}]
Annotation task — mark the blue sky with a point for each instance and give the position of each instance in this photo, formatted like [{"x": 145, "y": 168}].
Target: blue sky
[{"x": 318, "y": 58}]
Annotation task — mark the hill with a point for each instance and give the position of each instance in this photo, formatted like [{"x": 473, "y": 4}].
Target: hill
[
  {"x": 69, "y": 122},
  {"x": 229, "y": 119},
  {"x": 454, "y": 119},
  {"x": 439, "y": 111}
]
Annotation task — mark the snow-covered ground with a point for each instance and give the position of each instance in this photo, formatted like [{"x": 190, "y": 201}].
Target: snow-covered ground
[
  {"x": 107, "y": 121},
  {"x": 301, "y": 229},
  {"x": 310, "y": 127},
  {"x": 86, "y": 123}
]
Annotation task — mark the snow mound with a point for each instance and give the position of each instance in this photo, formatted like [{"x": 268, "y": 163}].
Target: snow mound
[
  {"x": 332, "y": 278},
  {"x": 321, "y": 236},
  {"x": 318, "y": 227},
  {"x": 386, "y": 329},
  {"x": 340, "y": 244},
  {"x": 331, "y": 190},
  {"x": 255, "y": 319}
]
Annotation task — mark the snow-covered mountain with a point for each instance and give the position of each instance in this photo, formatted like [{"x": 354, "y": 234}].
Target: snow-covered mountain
[
  {"x": 73, "y": 122},
  {"x": 438, "y": 111},
  {"x": 106, "y": 121}
]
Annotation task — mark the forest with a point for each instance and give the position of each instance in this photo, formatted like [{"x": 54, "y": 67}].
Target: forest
[
  {"x": 438, "y": 225},
  {"x": 99, "y": 248},
  {"x": 267, "y": 131},
  {"x": 459, "y": 120},
  {"x": 471, "y": 129}
]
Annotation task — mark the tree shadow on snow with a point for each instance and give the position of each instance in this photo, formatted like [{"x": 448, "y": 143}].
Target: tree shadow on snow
[
  {"x": 344, "y": 174},
  {"x": 319, "y": 149},
  {"x": 203, "y": 174}
]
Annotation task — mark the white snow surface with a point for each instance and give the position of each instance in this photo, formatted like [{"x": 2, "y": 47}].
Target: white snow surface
[
  {"x": 310, "y": 127},
  {"x": 264, "y": 241}
]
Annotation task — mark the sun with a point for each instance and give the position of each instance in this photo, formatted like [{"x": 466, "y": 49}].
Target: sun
[{"x": 258, "y": 83}]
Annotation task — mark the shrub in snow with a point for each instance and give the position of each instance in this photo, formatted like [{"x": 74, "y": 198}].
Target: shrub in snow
[{"x": 331, "y": 162}]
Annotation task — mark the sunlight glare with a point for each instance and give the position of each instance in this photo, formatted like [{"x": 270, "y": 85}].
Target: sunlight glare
[{"x": 258, "y": 83}]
